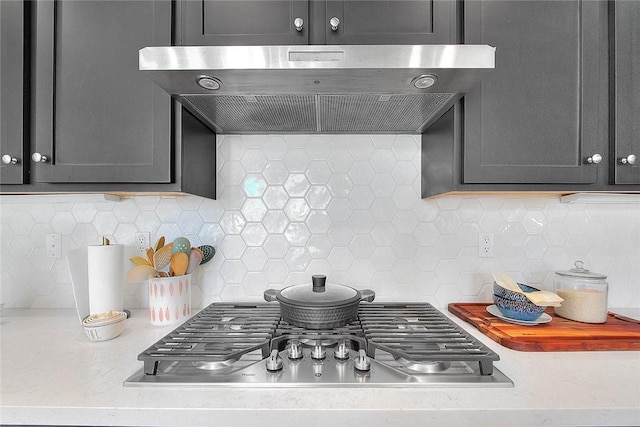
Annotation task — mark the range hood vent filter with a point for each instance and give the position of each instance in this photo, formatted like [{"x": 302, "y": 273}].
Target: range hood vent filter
[{"x": 318, "y": 89}]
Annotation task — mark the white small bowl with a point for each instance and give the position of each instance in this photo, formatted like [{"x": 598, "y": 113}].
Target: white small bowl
[{"x": 104, "y": 326}]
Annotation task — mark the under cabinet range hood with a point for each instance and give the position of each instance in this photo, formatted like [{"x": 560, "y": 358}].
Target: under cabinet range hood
[{"x": 317, "y": 88}]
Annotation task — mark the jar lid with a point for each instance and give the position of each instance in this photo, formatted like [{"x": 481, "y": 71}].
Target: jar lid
[
  {"x": 319, "y": 294},
  {"x": 581, "y": 272}
]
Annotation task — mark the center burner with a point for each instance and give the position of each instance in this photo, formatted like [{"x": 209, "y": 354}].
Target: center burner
[{"x": 388, "y": 345}]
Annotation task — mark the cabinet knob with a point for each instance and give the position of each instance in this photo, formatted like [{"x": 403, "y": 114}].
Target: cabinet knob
[
  {"x": 595, "y": 159},
  {"x": 39, "y": 158},
  {"x": 629, "y": 160},
  {"x": 8, "y": 159},
  {"x": 299, "y": 23},
  {"x": 334, "y": 22}
]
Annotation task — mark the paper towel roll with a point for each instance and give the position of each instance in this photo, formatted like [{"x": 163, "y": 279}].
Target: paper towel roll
[{"x": 105, "y": 264}]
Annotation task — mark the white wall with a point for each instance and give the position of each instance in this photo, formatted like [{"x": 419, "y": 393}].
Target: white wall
[{"x": 346, "y": 206}]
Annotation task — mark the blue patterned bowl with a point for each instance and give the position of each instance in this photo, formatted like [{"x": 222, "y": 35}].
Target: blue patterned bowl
[
  {"x": 513, "y": 296},
  {"x": 519, "y": 310}
]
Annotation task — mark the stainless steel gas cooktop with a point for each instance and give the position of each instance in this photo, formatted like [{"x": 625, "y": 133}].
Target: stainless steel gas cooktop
[{"x": 388, "y": 345}]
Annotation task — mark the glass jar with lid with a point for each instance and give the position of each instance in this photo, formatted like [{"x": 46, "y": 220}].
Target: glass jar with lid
[{"x": 584, "y": 292}]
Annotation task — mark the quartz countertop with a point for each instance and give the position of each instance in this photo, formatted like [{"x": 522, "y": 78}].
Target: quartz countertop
[{"x": 51, "y": 374}]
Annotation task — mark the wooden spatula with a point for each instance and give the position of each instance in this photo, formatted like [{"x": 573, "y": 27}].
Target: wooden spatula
[
  {"x": 162, "y": 257},
  {"x": 179, "y": 264}
]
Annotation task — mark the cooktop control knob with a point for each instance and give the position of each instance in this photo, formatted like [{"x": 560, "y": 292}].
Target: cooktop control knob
[
  {"x": 274, "y": 361},
  {"x": 342, "y": 351},
  {"x": 318, "y": 352},
  {"x": 362, "y": 362},
  {"x": 295, "y": 350}
]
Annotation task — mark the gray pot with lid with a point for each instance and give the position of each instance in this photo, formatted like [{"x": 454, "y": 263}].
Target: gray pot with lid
[{"x": 319, "y": 305}]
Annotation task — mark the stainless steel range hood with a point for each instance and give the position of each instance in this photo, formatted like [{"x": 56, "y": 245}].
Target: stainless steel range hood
[{"x": 318, "y": 88}]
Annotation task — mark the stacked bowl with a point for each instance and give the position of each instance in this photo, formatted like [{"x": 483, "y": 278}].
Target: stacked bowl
[{"x": 516, "y": 305}]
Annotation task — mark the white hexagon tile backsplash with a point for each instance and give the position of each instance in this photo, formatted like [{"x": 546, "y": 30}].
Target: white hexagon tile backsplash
[{"x": 347, "y": 206}]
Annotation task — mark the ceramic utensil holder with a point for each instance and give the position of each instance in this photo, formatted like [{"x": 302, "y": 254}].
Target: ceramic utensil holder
[{"x": 169, "y": 300}]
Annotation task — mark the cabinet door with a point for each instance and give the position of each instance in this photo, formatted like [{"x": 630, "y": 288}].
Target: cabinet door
[
  {"x": 12, "y": 86},
  {"x": 241, "y": 22},
  {"x": 627, "y": 91},
  {"x": 391, "y": 22},
  {"x": 96, "y": 117},
  {"x": 542, "y": 112}
]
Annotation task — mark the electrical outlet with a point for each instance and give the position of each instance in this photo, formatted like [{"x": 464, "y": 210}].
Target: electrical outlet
[
  {"x": 54, "y": 246},
  {"x": 142, "y": 243},
  {"x": 485, "y": 245}
]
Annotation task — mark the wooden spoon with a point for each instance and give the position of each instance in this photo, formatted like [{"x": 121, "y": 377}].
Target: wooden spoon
[
  {"x": 179, "y": 264},
  {"x": 162, "y": 257},
  {"x": 195, "y": 258}
]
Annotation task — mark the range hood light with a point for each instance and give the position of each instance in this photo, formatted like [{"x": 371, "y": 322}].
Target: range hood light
[
  {"x": 208, "y": 82},
  {"x": 424, "y": 81}
]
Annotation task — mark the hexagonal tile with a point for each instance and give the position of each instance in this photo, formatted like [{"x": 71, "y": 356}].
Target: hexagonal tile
[
  {"x": 576, "y": 222},
  {"x": 42, "y": 213},
  {"x": 362, "y": 246},
  {"x": 297, "y": 258},
  {"x": 254, "y": 284},
  {"x": 319, "y": 172},
  {"x": 340, "y": 258},
  {"x": 319, "y": 246},
  {"x": 233, "y": 271},
  {"x": 384, "y": 233},
  {"x": 361, "y": 222},
  {"x": 448, "y": 221},
  {"x": 491, "y": 222},
  {"x": 275, "y": 221},
  {"x": 406, "y": 197},
  {"x": 253, "y": 210},
  {"x": 147, "y": 203},
  {"x": 340, "y": 185},
  {"x": 297, "y": 160},
  {"x": 404, "y": 173},
  {"x": 189, "y": 222},
  {"x": 62, "y": 222},
  {"x": 85, "y": 234},
  {"x": 231, "y": 197},
  {"x": 254, "y": 259},
  {"x": 361, "y": 173},
  {"x": 276, "y": 271},
  {"x": 275, "y": 197},
  {"x": 340, "y": 234},
  {"x": 513, "y": 234},
  {"x": 297, "y": 233},
  {"x": 169, "y": 230},
  {"x": 448, "y": 271},
  {"x": 318, "y": 147},
  {"x": 211, "y": 210},
  {"x": 146, "y": 221},
  {"x": 254, "y": 185},
  {"x": 361, "y": 147},
  {"x": 126, "y": 210},
  {"x": 232, "y": 247},
  {"x": 340, "y": 160},
  {"x": 556, "y": 234},
  {"x": 534, "y": 222},
  {"x": 296, "y": 185},
  {"x": 105, "y": 223},
  {"x": 84, "y": 212},
  {"x": 211, "y": 234},
  {"x": 383, "y": 210},
  {"x": 470, "y": 209},
  {"x": 232, "y": 222},
  {"x": 297, "y": 209},
  {"x": 534, "y": 247},
  {"x": 276, "y": 173},
  {"x": 253, "y": 160},
  {"x": 448, "y": 246},
  {"x": 275, "y": 147},
  {"x": 446, "y": 294},
  {"x": 383, "y": 185},
  {"x": 405, "y": 271},
  {"x": 361, "y": 197},
  {"x": 361, "y": 272},
  {"x": 254, "y": 234},
  {"x": 339, "y": 209},
  {"x": 189, "y": 202},
  {"x": 382, "y": 161},
  {"x": 319, "y": 222},
  {"x": 405, "y": 246},
  {"x": 318, "y": 197},
  {"x": 513, "y": 210},
  {"x": 405, "y": 221},
  {"x": 427, "y": 258},
  {"x": 405, "y": 147},
  {"x": 276, "y": 246}
]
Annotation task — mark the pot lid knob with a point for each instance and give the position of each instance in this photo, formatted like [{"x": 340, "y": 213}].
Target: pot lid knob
[{"x": 319, "y": 281}]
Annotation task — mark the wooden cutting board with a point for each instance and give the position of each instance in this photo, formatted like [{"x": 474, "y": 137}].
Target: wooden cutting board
[{"x": 618, "y": 333}]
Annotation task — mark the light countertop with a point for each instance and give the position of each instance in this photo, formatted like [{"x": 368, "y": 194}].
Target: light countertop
[{"x": 51, "y": 374}]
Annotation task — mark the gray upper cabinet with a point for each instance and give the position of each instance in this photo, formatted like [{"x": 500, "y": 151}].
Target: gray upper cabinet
[
  {"x": 13, "y": 118},
  {"x": 269, "y": 22},
  {"x": 257, "y": 22},
  {"x": 96, "y": 118},
  {"x": 626, "y": 92},
  {"x": 542, "y": 113}
]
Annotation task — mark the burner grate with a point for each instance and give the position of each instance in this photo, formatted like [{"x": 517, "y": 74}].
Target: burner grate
[
  {"x": 420, "y": 333},
  {"x": 218, "y": 333}
]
